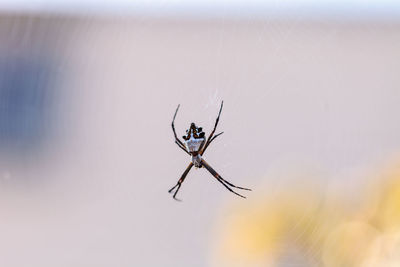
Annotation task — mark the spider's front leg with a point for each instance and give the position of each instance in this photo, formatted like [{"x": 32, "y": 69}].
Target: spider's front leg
[
  {"x": 177, "y": 141},
  {"x": 211, "y": 136},
  {"x": 207, "y": 144}
]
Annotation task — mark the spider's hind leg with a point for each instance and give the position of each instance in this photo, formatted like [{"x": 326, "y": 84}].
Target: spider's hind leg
[
  {"x": 180, "y": 181},
  {"x": 225, "y": 183}
]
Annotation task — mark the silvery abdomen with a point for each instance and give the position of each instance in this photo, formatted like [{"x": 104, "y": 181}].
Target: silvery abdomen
[{"x": 194, "y": 144}]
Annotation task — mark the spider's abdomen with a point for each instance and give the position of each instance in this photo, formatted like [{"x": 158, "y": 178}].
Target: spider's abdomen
[
  {"x": 197, "y": 160},
  {"x": 194, "y": 144}
]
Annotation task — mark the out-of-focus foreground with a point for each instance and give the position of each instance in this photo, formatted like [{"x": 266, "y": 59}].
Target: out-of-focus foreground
[{"x": 87, "y": 153}]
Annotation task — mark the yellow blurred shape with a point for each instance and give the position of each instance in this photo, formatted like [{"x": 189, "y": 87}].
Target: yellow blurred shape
[
  {"x": 385, "y": 251},
  {"x": 304, "y": 225},
  {"x": 259, "y": 233},
  {"x": 349, "y": 244},
  {"x": 388, "y": 215},
  {"x": 251, "y": 237}
]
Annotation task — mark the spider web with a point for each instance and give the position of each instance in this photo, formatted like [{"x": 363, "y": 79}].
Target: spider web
[{"x": 298, "y": 111}]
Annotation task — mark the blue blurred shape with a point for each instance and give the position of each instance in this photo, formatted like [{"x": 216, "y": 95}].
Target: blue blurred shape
[{"x": 24, "y": 102}]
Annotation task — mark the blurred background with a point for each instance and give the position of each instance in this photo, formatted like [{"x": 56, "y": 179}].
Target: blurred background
[{"x": 311, "y": 97}]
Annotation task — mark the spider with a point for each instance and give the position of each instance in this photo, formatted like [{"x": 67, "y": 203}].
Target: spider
[{"x": 195, "y": 145}]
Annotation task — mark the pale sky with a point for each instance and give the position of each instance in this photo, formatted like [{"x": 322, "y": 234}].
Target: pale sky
[{"x": 350, "y": 8}]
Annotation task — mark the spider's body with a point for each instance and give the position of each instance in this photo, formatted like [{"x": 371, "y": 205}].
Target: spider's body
[{"x": 195, "y": 144}]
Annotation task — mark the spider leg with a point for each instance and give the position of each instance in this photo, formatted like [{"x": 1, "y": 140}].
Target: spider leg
[
  {"x": 206, "y": 164},
  {"x": 207, "y": 144},
  {"x": 209, "y": 139},
  {"x": 215, "y": 136},
  {"x": 221, "y": 180},
  {"x": 173, "y": 129},
  {"x": 184, "y": 149},
  {"x": 180, "y": 181}
]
